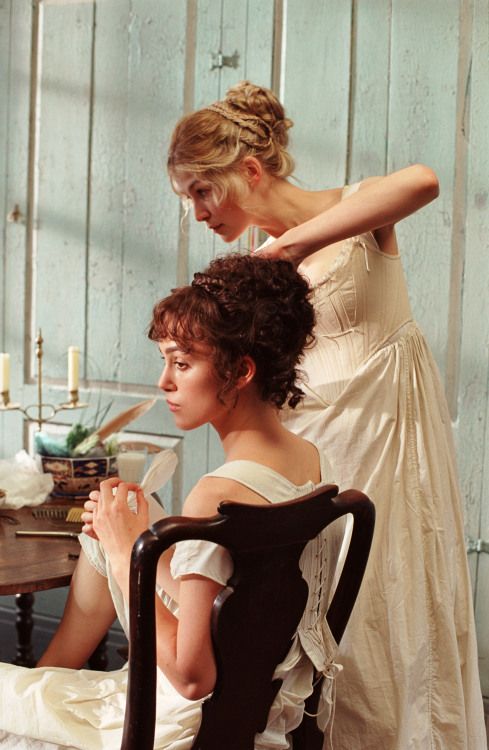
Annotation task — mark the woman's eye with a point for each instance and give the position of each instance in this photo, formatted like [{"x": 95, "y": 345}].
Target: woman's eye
[
  {"x": 181, "y": 365},
  {"x": 203, "y": 192}
]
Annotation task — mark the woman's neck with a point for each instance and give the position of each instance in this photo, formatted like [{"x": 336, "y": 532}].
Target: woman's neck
[
  {"x": 277, "y": 205},
  {"x": 248, "y": 428}
]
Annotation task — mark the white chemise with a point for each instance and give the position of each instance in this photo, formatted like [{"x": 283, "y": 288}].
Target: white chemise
[{"x": 84, "y": 709}]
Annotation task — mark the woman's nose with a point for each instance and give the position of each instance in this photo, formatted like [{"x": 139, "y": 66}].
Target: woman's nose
[
  {"x": 165, "y": 383},
  {"x": 201, "y": 212}
]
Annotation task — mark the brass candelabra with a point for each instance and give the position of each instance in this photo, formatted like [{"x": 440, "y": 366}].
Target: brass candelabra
[{"x": 41, "y": 412}]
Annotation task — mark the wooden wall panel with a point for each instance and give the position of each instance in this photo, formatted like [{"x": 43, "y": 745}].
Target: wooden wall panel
[
  {"x": 108, "y": 191},
  {"x": 61, "y": 179},
  {"x": 4, "y": 97},
  {"x": 473, "y": 407},
  {"x": 422, "y": 115},
  {"x": 315, "y": 88},
  {"x": 258, "y": 43},
  {"x": 156, "y": 71},
  {"x": 369, "y": 102},
  {"x": 14, "y": 334}
]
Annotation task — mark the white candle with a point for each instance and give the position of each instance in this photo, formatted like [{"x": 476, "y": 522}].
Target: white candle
[
  {"x": 73, "y": 366},
  {"x": 4, "y": 372}
]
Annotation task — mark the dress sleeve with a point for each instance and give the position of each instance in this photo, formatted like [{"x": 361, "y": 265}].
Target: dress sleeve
[
  {"x": 199, "y": 557},
  {"x": 94, "y": 552}
]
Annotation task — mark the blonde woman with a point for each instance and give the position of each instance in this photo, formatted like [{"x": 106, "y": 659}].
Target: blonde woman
[{"x": 375, "y": 406}]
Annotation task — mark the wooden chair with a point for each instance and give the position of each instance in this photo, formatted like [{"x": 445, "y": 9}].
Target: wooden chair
[{"x": 254, "y": 617}]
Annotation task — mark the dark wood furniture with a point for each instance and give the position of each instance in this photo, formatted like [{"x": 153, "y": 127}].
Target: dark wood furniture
[
  {"x": 31, "y": 564},
  {"x": 254, "y": 617},
  {"x": 36, "y": 563}
]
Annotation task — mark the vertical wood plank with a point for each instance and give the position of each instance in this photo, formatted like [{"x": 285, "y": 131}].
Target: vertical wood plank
[
  {"x": 473, "y": 421},
  {"x": 462, "y": 127},
  {"x": 5, "y": 11},
  {"x": 315, "y": 88},
  {"x": 258, "y": 59},
  {"x": 106, "y": 225},
  {"x": 155, "y": 95},
  {"x": 369, "y": 101},
  {"x": 61, "y": 176},
  {"x": 422, "y": 109},
  {"x": 16, "y": 179}
]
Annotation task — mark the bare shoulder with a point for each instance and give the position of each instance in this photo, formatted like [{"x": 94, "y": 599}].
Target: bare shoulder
[
  {"x": 330, "y": 197},
  {"x": 209, "y": 492}
]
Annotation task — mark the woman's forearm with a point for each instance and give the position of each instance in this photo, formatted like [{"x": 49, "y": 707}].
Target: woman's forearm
[
  {"x": 380, "y": 202},
  {"x": 192, "y": 676}
]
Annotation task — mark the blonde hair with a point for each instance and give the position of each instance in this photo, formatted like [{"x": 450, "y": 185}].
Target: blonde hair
[{"x": 213, "y": 141}]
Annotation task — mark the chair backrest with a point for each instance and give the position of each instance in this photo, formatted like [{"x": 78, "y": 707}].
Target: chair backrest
[{"x": 254, "y": 617}]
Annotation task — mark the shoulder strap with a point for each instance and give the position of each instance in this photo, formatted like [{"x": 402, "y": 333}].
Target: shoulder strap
[{"x": 350, "y": 189}]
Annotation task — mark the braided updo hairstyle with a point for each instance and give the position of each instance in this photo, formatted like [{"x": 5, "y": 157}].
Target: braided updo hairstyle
[
  {"x": 244, "y": 305},
  {"x": 213, "y": 141}
]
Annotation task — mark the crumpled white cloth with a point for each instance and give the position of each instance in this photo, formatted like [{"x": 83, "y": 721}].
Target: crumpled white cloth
[{"x": 22, "y": 481}]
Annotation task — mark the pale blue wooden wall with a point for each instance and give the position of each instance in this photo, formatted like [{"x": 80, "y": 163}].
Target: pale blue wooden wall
[{"x": 89, "y": 92}]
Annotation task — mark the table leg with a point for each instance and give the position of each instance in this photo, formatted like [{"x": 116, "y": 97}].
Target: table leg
[{"x": 24, "y": 624}]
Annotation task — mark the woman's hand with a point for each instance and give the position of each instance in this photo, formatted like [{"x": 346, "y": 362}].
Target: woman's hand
[
  {"x": 116, "y": 525},
  {"x": 87, "y": 515},
  {"x": 277, "y": 250}
]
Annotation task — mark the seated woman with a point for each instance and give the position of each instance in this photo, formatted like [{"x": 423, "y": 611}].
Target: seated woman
[{"x": 231, "y": 344}]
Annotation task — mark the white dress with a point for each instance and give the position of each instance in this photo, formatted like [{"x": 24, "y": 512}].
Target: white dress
[
  {"x": 84, "y": 709},
  {"x": 375, "y": 405}
]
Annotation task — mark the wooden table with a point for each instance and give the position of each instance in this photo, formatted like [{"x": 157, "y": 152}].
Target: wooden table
[{"x": 30, "y": 564}]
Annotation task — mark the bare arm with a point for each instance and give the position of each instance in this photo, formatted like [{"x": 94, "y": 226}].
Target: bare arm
[
  {"x": 184, "y": 648},
  {"x": 88, "y": 614},
  {"x": 376, "y": 206}
]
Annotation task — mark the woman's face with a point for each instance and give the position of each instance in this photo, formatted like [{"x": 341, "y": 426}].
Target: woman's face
[
  {"x": 227, "y": 219},
  {"x": 190, "y": 385}
]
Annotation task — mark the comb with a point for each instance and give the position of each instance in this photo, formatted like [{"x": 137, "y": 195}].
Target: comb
[
  {"x": 70, "y": 515},
  {"x": 52, "y": 514},
  {"x": 74, "y": 515}
]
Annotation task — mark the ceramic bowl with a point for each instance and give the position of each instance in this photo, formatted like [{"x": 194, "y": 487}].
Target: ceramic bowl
[{"x": 78, "y": 476}]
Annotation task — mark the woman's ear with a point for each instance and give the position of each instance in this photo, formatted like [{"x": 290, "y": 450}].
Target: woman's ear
[
  {"x": 247, "y": 370},
  {"x": 252, "y": 170}
]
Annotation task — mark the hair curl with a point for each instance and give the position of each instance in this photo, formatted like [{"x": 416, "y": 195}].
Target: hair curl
[
  {"x": 244, "y": 305},
  {"x": 213, "y": 141}
]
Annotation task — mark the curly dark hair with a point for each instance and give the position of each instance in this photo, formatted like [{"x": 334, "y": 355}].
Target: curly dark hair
[{"x": 244, "y": 305}]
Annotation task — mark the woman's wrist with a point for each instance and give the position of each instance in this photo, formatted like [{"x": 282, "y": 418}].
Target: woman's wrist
[{"x": 120, "y": 564}]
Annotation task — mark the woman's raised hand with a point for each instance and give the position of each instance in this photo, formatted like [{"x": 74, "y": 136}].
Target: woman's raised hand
[
  {"x": 277, "y": 250},
  {"x": 114, "y": 523},
  {"x": 87, "y": 515}
]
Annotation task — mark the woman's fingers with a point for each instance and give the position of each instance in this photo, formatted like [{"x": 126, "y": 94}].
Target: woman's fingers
[
  {"x": 89, "y": 530},
  {"x": 90, "y": 505},
  {"x": 107, "y": 487},
  {"x": 113, "y": 489}
]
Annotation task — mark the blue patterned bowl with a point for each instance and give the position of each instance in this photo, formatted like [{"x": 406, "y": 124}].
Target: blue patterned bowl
[{"x": 78, "y": 476}]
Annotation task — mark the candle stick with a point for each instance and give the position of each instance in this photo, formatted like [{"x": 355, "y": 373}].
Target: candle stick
[
  {"x": 73, "y": 367},
  {"x": 4, "y": 372},
  {"x": 43, "y": 412}
]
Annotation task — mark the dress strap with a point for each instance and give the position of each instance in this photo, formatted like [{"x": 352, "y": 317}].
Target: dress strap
[
  {"x": 350, "y": 189},
  {"x": 266, "y": 482}
]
